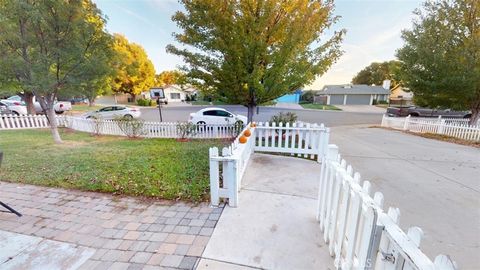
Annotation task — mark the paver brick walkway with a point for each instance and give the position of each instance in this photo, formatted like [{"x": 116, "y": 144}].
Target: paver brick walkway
[{"x": 127, "y": 233}]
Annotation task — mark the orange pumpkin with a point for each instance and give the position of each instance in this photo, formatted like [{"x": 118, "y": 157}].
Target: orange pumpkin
[
  {"x": 242, "y": 139},
  {"x": 247, "y": 133}
]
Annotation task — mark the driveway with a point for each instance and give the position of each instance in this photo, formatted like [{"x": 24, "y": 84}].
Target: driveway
[{"x": 435, "y": 184}]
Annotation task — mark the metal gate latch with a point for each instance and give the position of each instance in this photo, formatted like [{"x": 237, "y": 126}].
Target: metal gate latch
[{"x": 388, "y": 257}]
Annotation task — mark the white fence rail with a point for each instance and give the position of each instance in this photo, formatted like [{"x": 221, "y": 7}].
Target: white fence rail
[
  {"x": 299, "y": 139},
  {"x": 359, "y": 234},
  {"x": 458, "y": 128},
  {"x": 13, "y": 121},
  {"x": 111, "y": 127},
  {"x": 226, "y": 171}
]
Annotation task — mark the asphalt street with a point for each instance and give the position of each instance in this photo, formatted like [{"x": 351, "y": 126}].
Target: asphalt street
[{"x": 329, "y": 118}]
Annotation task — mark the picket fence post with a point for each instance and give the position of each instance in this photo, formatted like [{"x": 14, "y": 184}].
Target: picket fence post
[
  {"x": 441, "y": 126},
  {"x": 214, "y": 177},
  {"x": 405, "y": 124}
]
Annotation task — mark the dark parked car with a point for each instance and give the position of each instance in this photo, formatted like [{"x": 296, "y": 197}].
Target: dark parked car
[
  {"x": 426, "y": 112},
  {"x": 79, "y": 100},
  {"x": 4, "y": 109}
]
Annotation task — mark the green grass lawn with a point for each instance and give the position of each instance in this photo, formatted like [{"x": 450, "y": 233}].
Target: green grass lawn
[
  {"x": 162, "y": 168},
  {"x": 320, "y": 107}
]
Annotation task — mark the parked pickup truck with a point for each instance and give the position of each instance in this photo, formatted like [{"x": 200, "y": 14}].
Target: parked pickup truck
[
  {"x": 59, "y": 106},
  {"x": 426, "y": 112}
]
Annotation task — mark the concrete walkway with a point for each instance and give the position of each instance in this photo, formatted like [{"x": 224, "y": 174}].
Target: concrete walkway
[
  {"x": 274, "y": 226},
  {"x": 20, "y": 251},
  {"x": 435, "y": 184}
]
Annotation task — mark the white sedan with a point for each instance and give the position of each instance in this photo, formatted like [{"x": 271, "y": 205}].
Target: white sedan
[
  {"x": 216, "y": 116},
  {"x": 15, "y": 107},
  {"x": 112, "y": 112},
  {"x": 58, "y": 106}
]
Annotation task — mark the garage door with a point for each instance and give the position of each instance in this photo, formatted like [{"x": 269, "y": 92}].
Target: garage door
[
  {"x": 358, "y": 99},
  {"x": 336, "y": 99}
]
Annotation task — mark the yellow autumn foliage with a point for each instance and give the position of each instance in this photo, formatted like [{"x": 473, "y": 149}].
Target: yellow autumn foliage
[{"x": 135, "y": 73}]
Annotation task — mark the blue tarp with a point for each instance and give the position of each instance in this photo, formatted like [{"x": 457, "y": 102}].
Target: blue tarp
[{"x": 290, "y": 98}]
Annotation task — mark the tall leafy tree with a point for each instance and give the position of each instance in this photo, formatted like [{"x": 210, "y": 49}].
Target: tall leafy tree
[
  {"x": 376, "y": 73},
  {"x": 441, "y": 56},
  {"x": 169, "y": 77},
  {"x": 97, "y": 71},
  {"x": 252, "y": 51},
  {"x": 45, "y": 46},
  {"x": 134, "y": 71}
]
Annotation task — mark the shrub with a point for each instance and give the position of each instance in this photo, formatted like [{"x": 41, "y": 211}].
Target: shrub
[
  {"x": 146, "y": 102},
  {"x": 97, "y": 124},
  {"x": 186, "y": 129},
  {"x": 284, "y": 118},
  {"x": 132, "y": 128},
  {"x": 307, "y": 96}
]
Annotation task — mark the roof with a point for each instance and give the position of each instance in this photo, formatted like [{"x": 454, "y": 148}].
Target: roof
[{"x": 356, "y": 89}]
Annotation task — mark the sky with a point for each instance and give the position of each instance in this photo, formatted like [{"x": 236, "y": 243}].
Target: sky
[{"x": 373, "y": 32}]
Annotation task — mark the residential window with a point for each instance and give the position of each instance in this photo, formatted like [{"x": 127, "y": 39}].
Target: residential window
[{"x": 175, "y": 95}]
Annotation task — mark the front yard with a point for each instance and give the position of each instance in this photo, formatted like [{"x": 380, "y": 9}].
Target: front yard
[{"x": 162, "y": 168}]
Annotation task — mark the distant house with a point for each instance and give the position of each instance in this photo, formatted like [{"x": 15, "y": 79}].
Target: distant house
[
  {"x": 357, "y": 94},
  {"x": 175, "y": 93},
  {"x": 401, "y": 92}
]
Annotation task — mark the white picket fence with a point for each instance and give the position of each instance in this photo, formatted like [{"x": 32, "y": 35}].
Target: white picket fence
[
  {"x": 226, "y": 170},
  {"x": 111, "y": 127},
  {"x": 359, "y": 234},
  {"x": 299, "y": 139},
  {"x": 26, "y": 121},
  {"x": 458, "y": 128}
]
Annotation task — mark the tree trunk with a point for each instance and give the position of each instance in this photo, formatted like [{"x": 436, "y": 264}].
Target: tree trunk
[
  {"x": 47, "y": 106},
  {"x": 251, "y": 111},
  {"x": 475, "y": 112},
  {"x": 133, "y": 98},
  {"x": 28, "y": 97},
  {"x": 475, "y": 116},
  {"x": 91, "y": 102},
  {"x": 53, "y": 125}
]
